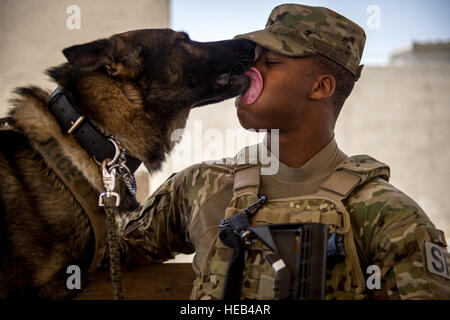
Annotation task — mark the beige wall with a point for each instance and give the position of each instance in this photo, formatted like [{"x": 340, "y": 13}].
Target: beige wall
[{"x": 33, "y": 33}]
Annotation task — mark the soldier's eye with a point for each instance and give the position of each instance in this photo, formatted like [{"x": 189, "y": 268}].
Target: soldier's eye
[{"x": 272, "y": 61}]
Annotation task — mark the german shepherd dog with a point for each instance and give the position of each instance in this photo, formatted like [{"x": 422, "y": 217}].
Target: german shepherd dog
[{"x": 137, "y": 87}]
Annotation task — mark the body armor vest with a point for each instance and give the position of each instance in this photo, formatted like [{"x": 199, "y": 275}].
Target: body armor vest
[{"x": 344, "y": 279}]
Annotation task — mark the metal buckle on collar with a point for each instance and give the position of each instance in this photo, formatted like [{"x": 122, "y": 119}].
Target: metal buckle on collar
[
  {"x": 75, "y": 124},
  {"x": 109, "y": 182}
]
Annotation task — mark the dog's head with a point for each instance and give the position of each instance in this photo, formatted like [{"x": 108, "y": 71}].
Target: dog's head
[
  {"x": 169, "y": 69},
  {"x": 139, "y": 86}
]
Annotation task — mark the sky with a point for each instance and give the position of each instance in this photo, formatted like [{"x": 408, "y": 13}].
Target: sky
[{"x": 390, "y": 25}]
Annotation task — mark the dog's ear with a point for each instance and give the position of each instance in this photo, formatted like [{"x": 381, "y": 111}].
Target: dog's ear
[
  {"x": 90, "y": 56},
  {"x": 119, "y": 56}
]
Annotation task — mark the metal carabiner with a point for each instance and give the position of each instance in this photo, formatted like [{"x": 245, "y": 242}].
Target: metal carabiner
[
  {"x": 116, "y": 154},
  {"x": 108, "y": 194}
]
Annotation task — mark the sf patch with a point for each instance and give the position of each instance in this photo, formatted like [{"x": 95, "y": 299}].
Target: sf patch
[{"x": 438, "y": 260}]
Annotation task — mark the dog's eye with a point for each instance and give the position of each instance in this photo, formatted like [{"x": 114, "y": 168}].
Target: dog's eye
[{"x": 184, "y": 37}]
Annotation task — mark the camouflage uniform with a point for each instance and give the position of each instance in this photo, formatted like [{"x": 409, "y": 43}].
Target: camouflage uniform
[{"x": 388, "y": 228}]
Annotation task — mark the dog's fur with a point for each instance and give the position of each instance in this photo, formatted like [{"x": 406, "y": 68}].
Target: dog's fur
[{"x": 137, "y": 86}]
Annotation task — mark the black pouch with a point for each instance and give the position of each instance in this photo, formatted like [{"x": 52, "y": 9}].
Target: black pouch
[{"x": 302, "y": 249}]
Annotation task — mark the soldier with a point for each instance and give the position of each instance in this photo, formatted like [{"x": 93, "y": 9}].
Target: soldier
[{"x": 308, "y": 62}]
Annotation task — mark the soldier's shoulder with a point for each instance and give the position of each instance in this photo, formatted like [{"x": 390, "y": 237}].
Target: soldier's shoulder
[
  {"x": 378, "y": 210},
  {"x": 375, "y": 193},
  {"x": 378, "y": 206},
  {"x": 380, "y": 196}
]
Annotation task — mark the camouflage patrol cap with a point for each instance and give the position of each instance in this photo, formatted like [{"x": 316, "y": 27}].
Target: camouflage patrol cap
[{"x": 297, "y": 31}]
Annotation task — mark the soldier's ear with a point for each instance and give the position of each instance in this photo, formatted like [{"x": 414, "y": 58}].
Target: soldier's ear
[
  {"x": 323, "y": 87},
  {"x": 90, "y": 56}
]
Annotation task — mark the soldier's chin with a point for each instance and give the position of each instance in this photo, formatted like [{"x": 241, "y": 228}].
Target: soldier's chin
[{"x": 240, "y": 103}]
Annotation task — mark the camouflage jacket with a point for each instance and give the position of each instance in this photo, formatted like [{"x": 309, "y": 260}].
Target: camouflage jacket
[{"x": 183, "y": 216}]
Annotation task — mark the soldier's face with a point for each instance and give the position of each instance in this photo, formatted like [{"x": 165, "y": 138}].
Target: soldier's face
[{"x": 287, "y": 84}]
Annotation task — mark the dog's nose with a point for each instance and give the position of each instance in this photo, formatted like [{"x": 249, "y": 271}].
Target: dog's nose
[{"x": 223, "y": 79}]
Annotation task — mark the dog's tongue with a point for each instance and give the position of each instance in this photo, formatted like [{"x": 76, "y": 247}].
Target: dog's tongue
[{"x": 256, "y": 86}]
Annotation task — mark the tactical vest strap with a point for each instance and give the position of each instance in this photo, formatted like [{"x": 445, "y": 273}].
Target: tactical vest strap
[
  {"x": 341, "y": 183},
  {"x": 246, "y": 180},
  {"x": 350, "y": 174},
  {"x": 331, "y": 217}
]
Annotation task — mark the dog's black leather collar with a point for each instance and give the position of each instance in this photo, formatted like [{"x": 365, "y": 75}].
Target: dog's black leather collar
[{"x": 95, "y": 143}]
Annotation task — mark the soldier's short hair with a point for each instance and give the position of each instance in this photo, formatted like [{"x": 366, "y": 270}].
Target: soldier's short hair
[{"x": 345, "y": 81}]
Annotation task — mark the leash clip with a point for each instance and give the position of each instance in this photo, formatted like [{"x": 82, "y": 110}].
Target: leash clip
[
  {"x": 109, "y": 182},
  {"x": 119, "y": 163},
  {"x": 109, "y": 177},
  {"x": 113, "y": 170},
  {"x": 101, "y": 201}
]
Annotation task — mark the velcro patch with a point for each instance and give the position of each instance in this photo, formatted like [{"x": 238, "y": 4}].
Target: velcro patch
[{"x": 438, "y": 260}]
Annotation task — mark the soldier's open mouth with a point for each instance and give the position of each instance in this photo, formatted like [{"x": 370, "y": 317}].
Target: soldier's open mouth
[{"x": 256, "y": 86}]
